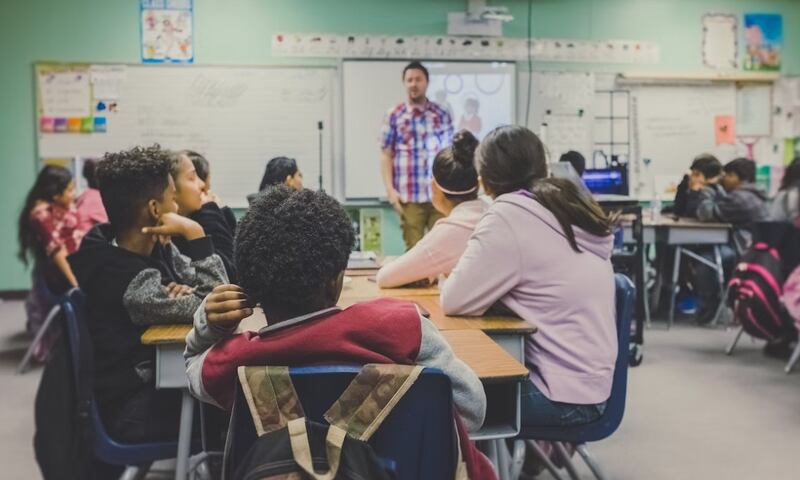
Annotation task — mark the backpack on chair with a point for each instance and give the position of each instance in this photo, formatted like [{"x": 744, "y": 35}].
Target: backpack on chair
[
  {"x": 292, "y": 447},
  {"x": 754, "y": 293}
]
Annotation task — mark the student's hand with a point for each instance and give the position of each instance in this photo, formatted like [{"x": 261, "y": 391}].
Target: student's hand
[
  {"x": 697, "y": 181},
  {"x": 209, "y": 196},
  {"x": 171, "y": 224},
  {"x": 393, "y": 196},
  {"x": 177, "y": 290},
  {"x": 227, "y": 305}
]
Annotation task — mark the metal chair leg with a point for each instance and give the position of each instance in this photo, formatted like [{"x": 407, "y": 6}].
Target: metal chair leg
[
  {"x": 794, "y": 359},
  {"x": 517, "y": 459},
  {"x": 135, "y": 472},
  {"x": 676, "y": 269},
  {"x": 570, "y": 467},
  {"x": 544, "y": 459},
  {"x": 26, "y": 360},
  {"x": 590, "y": 461},
  {"x": 723, "y": 305},
  {"x": 729, "y": 350}
]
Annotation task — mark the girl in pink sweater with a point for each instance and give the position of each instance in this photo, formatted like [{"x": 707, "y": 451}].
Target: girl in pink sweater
[
  {"x": 543, "y": 251},
  {"x": 454, "y": 194}
]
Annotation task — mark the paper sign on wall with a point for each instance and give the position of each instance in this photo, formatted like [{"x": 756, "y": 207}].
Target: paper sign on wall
[
  {"x": 720, "y": 40},
  {"x": 725, "y": 129},
  {"x": 65, "y": 93}
]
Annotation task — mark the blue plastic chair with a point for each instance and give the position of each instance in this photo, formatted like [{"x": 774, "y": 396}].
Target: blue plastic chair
[
  {"x": 604, "y": 426},
  {"x": 137, "y": 458},
  {"x": 417, "y": 441}
]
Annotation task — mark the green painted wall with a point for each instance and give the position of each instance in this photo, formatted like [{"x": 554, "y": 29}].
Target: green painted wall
[{"x": 239, "y": 32}]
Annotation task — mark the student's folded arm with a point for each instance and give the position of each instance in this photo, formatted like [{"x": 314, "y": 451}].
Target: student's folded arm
[
  {"x": 489, "y": 268},
  {"x": 426, "y": 259},
  {"x": 468, "y": 393},
  {"x": 148, "y": 303},
  {"x": 198, "y": 343},
  {"x": 199, "y": 267},
  {"x": 707, "y": 205}
]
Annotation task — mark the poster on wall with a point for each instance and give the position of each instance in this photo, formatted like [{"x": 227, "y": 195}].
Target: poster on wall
[
  {"x": 720, "y": 40},
  {"x": 167, "y": 31},
  {"x": 763, "y": 41}
]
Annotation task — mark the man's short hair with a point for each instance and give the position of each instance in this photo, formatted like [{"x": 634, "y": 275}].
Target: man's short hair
[
  {"x": 744, "y": 168},
  {"x": 290, "y": 245},
  {"x": 708, "y": 165},
  {"x": 415, "y": 65},
  {"x": 576, "y": 160},
  {"x": 131, "y": 178}
]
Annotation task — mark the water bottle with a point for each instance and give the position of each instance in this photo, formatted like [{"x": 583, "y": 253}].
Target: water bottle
[{"x": 655, "y": 214}]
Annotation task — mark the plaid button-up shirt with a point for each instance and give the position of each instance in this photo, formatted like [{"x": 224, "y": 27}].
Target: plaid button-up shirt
[{"x": 415, "y": 135}]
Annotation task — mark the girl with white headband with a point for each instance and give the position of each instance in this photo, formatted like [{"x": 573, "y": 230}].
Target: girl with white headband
[{"x": 454, "y": 192}]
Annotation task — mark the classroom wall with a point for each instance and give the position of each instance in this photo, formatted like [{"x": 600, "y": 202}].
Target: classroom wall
[{"x": 239, "y": 32}]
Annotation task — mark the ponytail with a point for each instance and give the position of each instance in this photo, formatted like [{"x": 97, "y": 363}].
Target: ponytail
[{"x": 571, "y": 207}]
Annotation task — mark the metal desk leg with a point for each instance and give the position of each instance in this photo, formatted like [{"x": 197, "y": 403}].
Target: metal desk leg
[
  {"x": 503, "y": 463},
  {"x": 676, "y": 270},
  {"x": 184, "y": 435}
]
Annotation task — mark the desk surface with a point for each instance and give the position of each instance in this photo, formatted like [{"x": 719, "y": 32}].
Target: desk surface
[
  {"x": 362, "y": 288},
  {"x": 475, "y": 348},
  {"x": 489, "y": 324},
  {"x": 667, "y": 221}
]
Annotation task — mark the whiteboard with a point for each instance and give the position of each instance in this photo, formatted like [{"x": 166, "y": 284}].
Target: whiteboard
[
  {"x": 371, "y": 88},
  {"x": 673, "y": 125},
  {"x": 238, "y": 117}
]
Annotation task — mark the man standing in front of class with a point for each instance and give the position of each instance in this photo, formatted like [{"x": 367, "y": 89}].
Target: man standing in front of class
[{"x": 412, "y": 134}]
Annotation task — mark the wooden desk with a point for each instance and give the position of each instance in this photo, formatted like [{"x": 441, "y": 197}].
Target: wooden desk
[{"x": 361, "y": 288}]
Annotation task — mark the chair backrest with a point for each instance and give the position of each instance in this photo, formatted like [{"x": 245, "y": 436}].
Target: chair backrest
[
  {"x": 106, "y": 449},
  {"x": 417, "y": 439},
  {"x": 615, "y": 405}
]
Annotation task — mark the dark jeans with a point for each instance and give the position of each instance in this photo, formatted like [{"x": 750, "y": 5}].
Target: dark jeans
[
  {"x": 149, "y": 415},
  {"x": 540, "y": 411}
]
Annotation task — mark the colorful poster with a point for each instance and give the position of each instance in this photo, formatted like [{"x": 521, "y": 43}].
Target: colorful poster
[
  {"x": 763, "y": 41},
  {"x": 725, "y": 129},
  {"x": 167, "y": 35},
  {"x": 370, "y": 220}
]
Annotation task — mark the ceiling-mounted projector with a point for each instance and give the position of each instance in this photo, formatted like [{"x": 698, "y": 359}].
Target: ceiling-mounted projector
[{"x": 479, "y": 20}]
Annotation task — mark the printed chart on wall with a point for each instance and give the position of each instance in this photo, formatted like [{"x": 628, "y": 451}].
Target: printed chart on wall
[
  {"x": 167, "y": 31},
  {"x": 561, "y": 111}
]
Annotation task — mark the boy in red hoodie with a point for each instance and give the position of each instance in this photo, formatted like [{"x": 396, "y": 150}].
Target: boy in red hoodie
[{"x": 291, "y": 252}]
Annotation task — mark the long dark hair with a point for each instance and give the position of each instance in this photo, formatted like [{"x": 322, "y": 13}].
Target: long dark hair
[
  {"x": 791, "y": 176},
  {"x": 512, "y": 158},
  {"x": 454, "y": 168},
  {"x": 276, "y": 172},
  {"x": 51, "y": 181}
]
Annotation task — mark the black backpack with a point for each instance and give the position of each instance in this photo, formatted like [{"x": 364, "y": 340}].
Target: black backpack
[{"x": 289, "y": 446}]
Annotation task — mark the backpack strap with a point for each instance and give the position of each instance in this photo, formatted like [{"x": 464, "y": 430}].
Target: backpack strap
[
  {"x": 370, "y": 397},
  {"x": 271, "y": 397},
  {"x": 301, "y": 449}
]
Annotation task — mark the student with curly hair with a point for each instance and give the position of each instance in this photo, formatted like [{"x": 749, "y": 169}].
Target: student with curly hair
[
  {"x": 134, "y": 277},
  {"x": 291, "y": 253}
]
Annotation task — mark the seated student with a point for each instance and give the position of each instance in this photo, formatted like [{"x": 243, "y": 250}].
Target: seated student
[
  {"x": 785, "y": 206},
  {"x": 89, "y": 204},
  {"x": 280, "y": 171},
  {"x": 543, "y": 251},
  {"x": 49, "y": 230},
  {"x": 576, "y": 160},
  {"x": 740, "y": 203},
  {"x": 454, "y": 194},
  {"x": 203, "y": 169},
  {"x": 291, "y": 252},
  {"x": 194, "y": 203},
  {"x": 705, "y": 171},
  {"x": 132, "y": 280}
]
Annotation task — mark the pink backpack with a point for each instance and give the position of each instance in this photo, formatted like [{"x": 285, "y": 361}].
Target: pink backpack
[{"x": 791, "y": 296}]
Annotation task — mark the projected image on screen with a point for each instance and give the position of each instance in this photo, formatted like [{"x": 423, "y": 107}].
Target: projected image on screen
[{"x": 478, "y": 101}]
